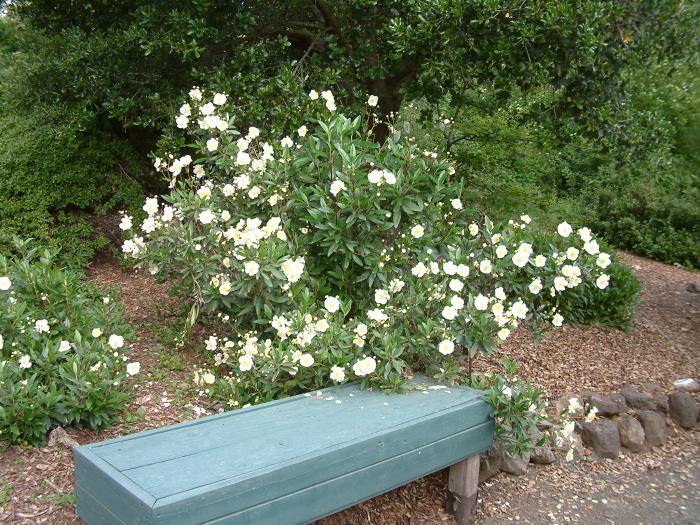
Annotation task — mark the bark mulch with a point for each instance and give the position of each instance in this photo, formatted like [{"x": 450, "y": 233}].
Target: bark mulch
[{"x": 36, "y": 485}]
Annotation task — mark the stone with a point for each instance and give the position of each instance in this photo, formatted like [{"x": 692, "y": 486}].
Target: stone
[
  {"x": 658, "y": 395},
  {"x": 686, "y": 385},
  {"x": 58, "y": 436},
  {"x": 608, "y": 404},
  {"x": 637, "y": 399},
  {"x": 692, "y": 288},
  {"x": 516, "y": 465},
  {"x": 683, "y": 408},
  {"x": 602, "y": 436},
  {"x": 654, "y": 425},
  {"x": 489, "y": 465},
  {"x": 631, "y": 433},
  {"x": 543, "y": 455}
]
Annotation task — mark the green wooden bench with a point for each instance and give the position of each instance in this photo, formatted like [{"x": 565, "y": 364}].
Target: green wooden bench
[{"x": 286, "y": 462}]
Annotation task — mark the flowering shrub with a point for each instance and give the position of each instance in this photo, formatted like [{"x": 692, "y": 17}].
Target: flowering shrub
[
  {"x": 61, "y": 351},
  {"x": 329, "y": 258},
  {"x": 520, "y": 412}
]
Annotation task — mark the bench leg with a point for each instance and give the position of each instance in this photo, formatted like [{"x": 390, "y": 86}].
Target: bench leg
[{"x": 463, "y": 488}]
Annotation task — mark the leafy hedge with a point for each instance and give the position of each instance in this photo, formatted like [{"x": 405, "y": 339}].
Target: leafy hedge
[{"x": 62, "y": 348}]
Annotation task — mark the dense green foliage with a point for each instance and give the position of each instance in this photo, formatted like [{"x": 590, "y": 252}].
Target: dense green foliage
[
  {"x": 584, "y": 108},
  {"x": 55, "y": 368},
  {"x": 55, "y": 167}
]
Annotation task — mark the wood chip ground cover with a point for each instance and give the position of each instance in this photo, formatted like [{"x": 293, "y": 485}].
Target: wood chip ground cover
[{"x": 660, "y": 486}]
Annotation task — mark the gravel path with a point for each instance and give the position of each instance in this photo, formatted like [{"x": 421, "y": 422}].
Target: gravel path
[{"x": 660, "y": 486}]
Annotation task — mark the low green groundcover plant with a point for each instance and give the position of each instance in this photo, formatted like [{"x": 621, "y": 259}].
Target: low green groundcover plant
[
  {"x": 62, "y": 346},
  {"x": 328, "y": 257}
]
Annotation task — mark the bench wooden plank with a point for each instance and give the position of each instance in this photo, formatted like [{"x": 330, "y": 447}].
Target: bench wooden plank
[{"x": 252, "y": 464}]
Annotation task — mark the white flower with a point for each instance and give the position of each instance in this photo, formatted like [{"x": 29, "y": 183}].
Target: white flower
[
  {"x": 557, "y": 320},
  {"x": 5, "y": 283},
  {"x": 219, "y": 99},
  {"x": 449, "y": 312},
  {"x": 456, "y": 285},
  {"x": 287, "y": 142},
  {"x": 585, "y": 234},
  {"x": 602, "y": 281},
  {"x": 457, "y": 302},
  {"x": 212, "y": 144},
  {"x": 560, "y": 284},
  {"x": 313, "y": 94},
  {"x": 242, "y": 144},
  {"x": 133, "y": 368},
  {"x": 332, "y": 304},
  {"x": 2, "y": 342},
  {"x": 419, "y": 270},
  {"x": 446, "y": 347},
  {"x": 293, "y": 269},
  {"x": 321, "y": 325},
  {"x": 507, "y": 391},
  {"x": 245, "y": 363},
  {"x": 485, "y": 266},
  {"x": 417, "y": 231},
  {"x": 225, "y": 288},
  {"x": 526, "y": 248},
  {"x": 535, "y": 286},
  {"x": 463, "y": 270},
  {"x": 503, "y": 334},
  {"x": 375, "y": 176},
  {"x": 207, "y": 109},
  {"x": 151, "y": 206},
  {"x": 330, "y": 105},
  {"x": 198, "y": 170},
  {"x": 242, "y": 158},
  {"x": 603, "y": 260},
  {"x": 185, "y": 110},
  {"x": 302, "y": 131},
  {"x": 372, "y": 101},
  {"x": 96, "y": 332},
  {"x": 251, "y": 268},
  {"x": 381, "y": 296},
  {"x": 501, "y": 251},
  {"x": 364, "y": 366},
  {"x": 520, "y": 259},
  {"x": 572, "y": 253},
  {"x": 254, "y": 192},
  {"x": 591, "y": 247},
  {"x": 41, "y": 326},
  {"x": 500, "y": 294},
  {"x": 540, "y": 261},
  {"x": 526, "y": 219},
  {"x": 206, "y": 217},
  {"x": 449, "y": 268},
  {"x": 208, "y": 378},
  {"x": 574, "y": 405},
  {"x": 592, "y": 414},
  {"x": 115, "y": 341},
  {"x": 497, "y": 309},
  {"x": 25, "y": 361},
  {"x": 473, "y": 229},
  {"x": 519, "y": 310},
  {"x": 337, "y": 374},
  {"x": 389, "y": 178},
  {"x": 481, "y": 302},
  {"x": 306, "y": 360},
  {"x": 204, "y": 192},
  {"x": 195, "y": 94},
  {"x": 456, "y": 204},
  {"x": 337, "y": 186},
  {"x": 182, "y": 121},
  {"x": 564, "y": 229}
]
